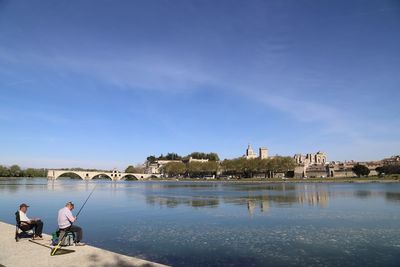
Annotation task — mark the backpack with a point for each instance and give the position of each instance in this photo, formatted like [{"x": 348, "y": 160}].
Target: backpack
[
  {"x": 69, "y": 240},
  {"x": 54, "y": 238}
]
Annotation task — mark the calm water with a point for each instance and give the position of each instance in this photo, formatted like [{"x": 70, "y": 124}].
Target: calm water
[{"x": 220, "y": 224}]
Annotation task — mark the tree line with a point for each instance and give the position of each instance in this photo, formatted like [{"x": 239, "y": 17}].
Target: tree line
[
  {"x": 135, "y": 169},
  {"x": 169, "y": 156},
  {"x": 174, "y": 156},
  {"x": 201, "y": 155},
  {"x": 362, "y": 170},
  {"x": 239, "y": 168},
  {"x": 16, "y": 171},
  {"x": 388, "y": 169}
]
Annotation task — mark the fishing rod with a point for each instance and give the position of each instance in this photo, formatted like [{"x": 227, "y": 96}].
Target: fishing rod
[
  {"x": 84, "y": 203},
  {"x": 53, "y": 251}
]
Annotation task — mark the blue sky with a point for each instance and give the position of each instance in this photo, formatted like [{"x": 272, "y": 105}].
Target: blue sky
[{"x": 107, "y": 83}]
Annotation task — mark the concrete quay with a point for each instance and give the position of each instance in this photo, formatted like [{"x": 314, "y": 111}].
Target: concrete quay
[{"x": 26, "y": 253}]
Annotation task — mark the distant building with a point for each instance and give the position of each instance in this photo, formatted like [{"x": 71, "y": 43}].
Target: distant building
[
  {"x": 311, "y": 158},
  {"x": 341, "y": 169},
  {"x": 311, "y": 165},
  {"x": 394, "y": 160},
  {"x": 191, "y": 159},
  {"x": 250, "y": 154},
  {"x": 263, "y": 153},
  {"x": 345, "y": 169},
  {"x": 156, "y": 166},
  {"x": 316, "y": 170}
]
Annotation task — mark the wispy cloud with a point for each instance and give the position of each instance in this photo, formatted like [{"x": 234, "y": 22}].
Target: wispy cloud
[
  {"x": 169, "y": 74},
  {"x": 138, "y": 72}
]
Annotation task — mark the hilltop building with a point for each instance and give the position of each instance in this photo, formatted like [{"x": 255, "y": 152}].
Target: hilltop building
[
  {"x": 263, "y": 153},
  {"x": 311, "y": 158},
  {"x": 311, "y": 165},
  {"x": 250, "y": 154},
  {"x": 394, "y": 160},
  {"x": 156, "y": 166},
  {"x": 191, "y": 159}
]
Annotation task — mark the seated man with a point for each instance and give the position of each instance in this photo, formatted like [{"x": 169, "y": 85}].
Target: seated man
[
  {"x": 27, "y": 224},
  {"x": 65, "y": 220}
]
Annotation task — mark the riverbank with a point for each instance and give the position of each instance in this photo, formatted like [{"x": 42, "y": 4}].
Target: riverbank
[
  {"x": 374, "y": 179},
  {"x": 25, "y": 253}
]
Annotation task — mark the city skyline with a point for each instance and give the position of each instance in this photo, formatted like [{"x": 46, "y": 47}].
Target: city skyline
[{"x": 95, "y": 85}]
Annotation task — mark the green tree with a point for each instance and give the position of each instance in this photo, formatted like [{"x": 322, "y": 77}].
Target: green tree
[
  {"x": 201, "y": 169},
  {"x": 30, "y": 172},
  {"x": 130, "y": 169},
  {"x": 213, "y": 156},
  {"x": 388, "y": 169},
  {"x": 4, "y": 171},
  {"x": 173, "y": 169},
  {"x": 134, "y": 169},
  {"x": 210, "y": 167},
  {"x": 250, "y": 167},
  {"x": 169, "y": 156},
  {"x": 194, "y": 169},
  {"x": 227, "y": 167},
  {"x": 361, "y": 170},
  {"x": 247, "y": 168},
  {"x": 15, "y": 171},
  {"x": 265, "y": 166},
  {"x": 201, "y": 155},
  {"x": 151, "y": 159}
]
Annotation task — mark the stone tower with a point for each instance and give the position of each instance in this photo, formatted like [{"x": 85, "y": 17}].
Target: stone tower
[
  {"x": 250, "y": 153},
  {"x": 263, "y": 153}
]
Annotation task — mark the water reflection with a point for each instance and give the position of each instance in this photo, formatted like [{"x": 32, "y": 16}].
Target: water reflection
[
  {"x": 363, "y": 193},
  {"x": 172, "y": 202},
  {"x": 387, "y": 195},
  {"x": 393, "y": 196},
  {"x": 250, "y": 196},
  {"x": 315, "y": 198}
]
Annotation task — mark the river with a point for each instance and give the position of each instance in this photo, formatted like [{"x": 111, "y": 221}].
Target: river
[{"x": 224, "y": 224}]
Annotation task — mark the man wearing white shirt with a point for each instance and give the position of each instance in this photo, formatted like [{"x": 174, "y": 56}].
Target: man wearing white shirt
[
  {"x": 65, "y": 220},
  {"x": 27, "y": 224}
]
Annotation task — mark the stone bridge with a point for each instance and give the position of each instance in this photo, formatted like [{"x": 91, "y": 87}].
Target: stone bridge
[{"x": 89, "y": 175}]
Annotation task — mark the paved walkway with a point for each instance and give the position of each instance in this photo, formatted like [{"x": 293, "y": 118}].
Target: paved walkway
[{"x": 25, "y": 253}]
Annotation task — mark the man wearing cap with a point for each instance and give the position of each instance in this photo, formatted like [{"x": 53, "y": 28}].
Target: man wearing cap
[
  {"x": 27, "y": 224},
  {"x": 65, "y": 220}
]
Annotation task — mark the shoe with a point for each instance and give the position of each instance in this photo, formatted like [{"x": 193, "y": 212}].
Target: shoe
[
  {"x": 37, "y": 237},
  {"x": 81, "y": 244}
]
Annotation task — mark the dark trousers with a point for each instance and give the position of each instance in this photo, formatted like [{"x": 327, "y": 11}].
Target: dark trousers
[
  {"x": 77, "y": 231},
  {"x": 37, "y": 227}
]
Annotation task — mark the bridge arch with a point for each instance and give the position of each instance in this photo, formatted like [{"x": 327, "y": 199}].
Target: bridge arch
[
  {"x": 107, "y": 176},
  {"x": 129, "y": 176},
  {"x": 69, "y": 172}
]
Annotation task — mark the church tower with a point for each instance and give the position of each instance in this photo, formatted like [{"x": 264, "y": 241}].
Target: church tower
[{"x": 250, "y": 153}]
